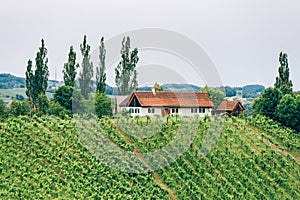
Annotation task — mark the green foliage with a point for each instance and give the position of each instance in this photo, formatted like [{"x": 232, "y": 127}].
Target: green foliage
[
  {"x": 88, "y": 106},
  {"x": 3, "y": 109},
  {"x": 126, "y": 74},
  {"x": 287, "y": 112},
  {"x": 100, "y": 74},
  {"x": 266, "y": 105},
  {"x": 69, "y": 70},
  {"x": 252, "y": 91},
  {"x": 275, "y": 132},
  {"x": 216, "y": 95},
  {"x": 42, "y": 104},
  {"x": 19, "y": 108},
  {"x": 158, "y": 87},
  {"x": 63, "y": 95},
  {"x": 283, "y": 81},
  {"x": 229, "y": 91},
  {"x": 77, "y": 102},
  {"x": 57, "y": 110},
  {"x": 279, "y": 102},
  {"x": 298, "y": 111},
  {"x": 37, "y": 81},
  {"x": 44, "y": 157},
  {"x": 87, "y": 72},
  {"x": 103, "y": 105}
]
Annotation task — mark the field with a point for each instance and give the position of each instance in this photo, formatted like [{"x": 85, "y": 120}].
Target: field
[
  {"x": 210, "y": 158},
  {"x": 7, "y": 94}
]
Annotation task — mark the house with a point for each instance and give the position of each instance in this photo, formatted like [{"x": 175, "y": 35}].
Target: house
[
  {"x": 231, "y": 108},
  {"x": 141, "y": 103},
  {"x": 118, "y": 100}
]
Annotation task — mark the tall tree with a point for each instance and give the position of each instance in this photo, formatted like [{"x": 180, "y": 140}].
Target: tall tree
[
  {"x": 85, "y": 76},
  {"x": 100, "y": 73},
  {"x": 37, "y": 81},
  {"x": 126, "y": 74},
  {"x": 286, "y": 111},
  {"x": 216, "y": 95},
  {"x": 70, "y": 67},
  {"x": 283, "y": 81},
  {"x": 157, "y": 87},
  {"x": 267, "y": 103}
]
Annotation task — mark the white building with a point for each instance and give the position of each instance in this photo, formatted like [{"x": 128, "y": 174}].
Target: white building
[{"x": 141, "y": 103}]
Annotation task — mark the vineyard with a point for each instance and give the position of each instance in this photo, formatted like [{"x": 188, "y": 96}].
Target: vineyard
[{"x": 153, "y": 158}]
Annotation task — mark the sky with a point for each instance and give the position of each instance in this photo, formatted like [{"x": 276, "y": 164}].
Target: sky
[{"x": 241, "y": 38}]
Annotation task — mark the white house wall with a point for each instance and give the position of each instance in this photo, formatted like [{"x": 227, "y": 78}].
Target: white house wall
[
  {"x": 187, "y": 112},
  {"x": 158, "y": 111}
]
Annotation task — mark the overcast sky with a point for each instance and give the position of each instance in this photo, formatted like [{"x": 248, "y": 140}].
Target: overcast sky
[{"x": 243, "y": 38}]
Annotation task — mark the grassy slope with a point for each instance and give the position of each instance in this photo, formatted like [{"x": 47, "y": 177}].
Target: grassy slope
[{"x": 45, "y": 158}]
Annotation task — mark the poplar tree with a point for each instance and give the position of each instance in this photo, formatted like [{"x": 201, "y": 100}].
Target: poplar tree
[
  {"x": 283, "y": 82},
  {"x": 100, "y": 73},
  {"x": 37, "y": 80},
  {"x": 69, "y": 70},
  {"x": 85, "y": 76},
  {"x": 126, "y": 74}
]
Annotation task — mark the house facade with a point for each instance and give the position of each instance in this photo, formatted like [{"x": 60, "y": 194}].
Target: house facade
[{"x": 141, "y": 103}]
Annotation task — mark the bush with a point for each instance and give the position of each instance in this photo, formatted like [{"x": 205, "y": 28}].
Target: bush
[
  {"x": 103, "y": 105},
  {"x": 19, "y": 108}
]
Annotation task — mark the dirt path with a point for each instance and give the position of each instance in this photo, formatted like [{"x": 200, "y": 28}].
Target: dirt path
[
  {"x": 156, "y": 176},
  {"x": 164, "y": 186},
  {"x": 277, "y": 148}
]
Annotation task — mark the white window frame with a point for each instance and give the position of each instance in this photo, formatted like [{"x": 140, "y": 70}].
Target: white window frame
[
  {"x": 194, "y": 110},
  {"x": 151, "y": 110},
  {"x": 201, "y": 110},
  {"x": 174, "y": 110}
]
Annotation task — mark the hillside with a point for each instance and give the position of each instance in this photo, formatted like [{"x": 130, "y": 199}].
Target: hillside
[
  {"x": 45, "y": 158},
  {"x": 8, "y": 81}
]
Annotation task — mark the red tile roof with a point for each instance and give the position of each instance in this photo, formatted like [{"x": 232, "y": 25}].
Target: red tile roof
[
  {"x": 170, "y": 99},
  {"x": 229, "y": 106}
]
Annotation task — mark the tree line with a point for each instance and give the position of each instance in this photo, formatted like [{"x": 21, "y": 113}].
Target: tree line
[
  {"x": 76, "y": 96},
  {"x": 280, "y": 102}
]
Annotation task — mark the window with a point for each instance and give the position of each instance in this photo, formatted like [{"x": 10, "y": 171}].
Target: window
[
  {"x": 193, "y": 110},
  {"x": 201, "y": 110},
  {"x": 151, "y": 110},
  {"x": 131, "y": 110},
  {"x": 137, "y": 110},
  {"x": 174, "y": 110}
]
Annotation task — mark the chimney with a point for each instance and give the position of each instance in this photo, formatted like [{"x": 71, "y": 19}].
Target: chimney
[{"x": 153, "y": 91}]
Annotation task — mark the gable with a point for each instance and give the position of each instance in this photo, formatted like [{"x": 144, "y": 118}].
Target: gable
[{"x": 134, "y": 102}]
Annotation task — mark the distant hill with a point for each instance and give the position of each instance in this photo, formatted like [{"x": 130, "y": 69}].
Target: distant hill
[
  {"x": 175, "y": 87},
  {"x": 8, "y": 81}
]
